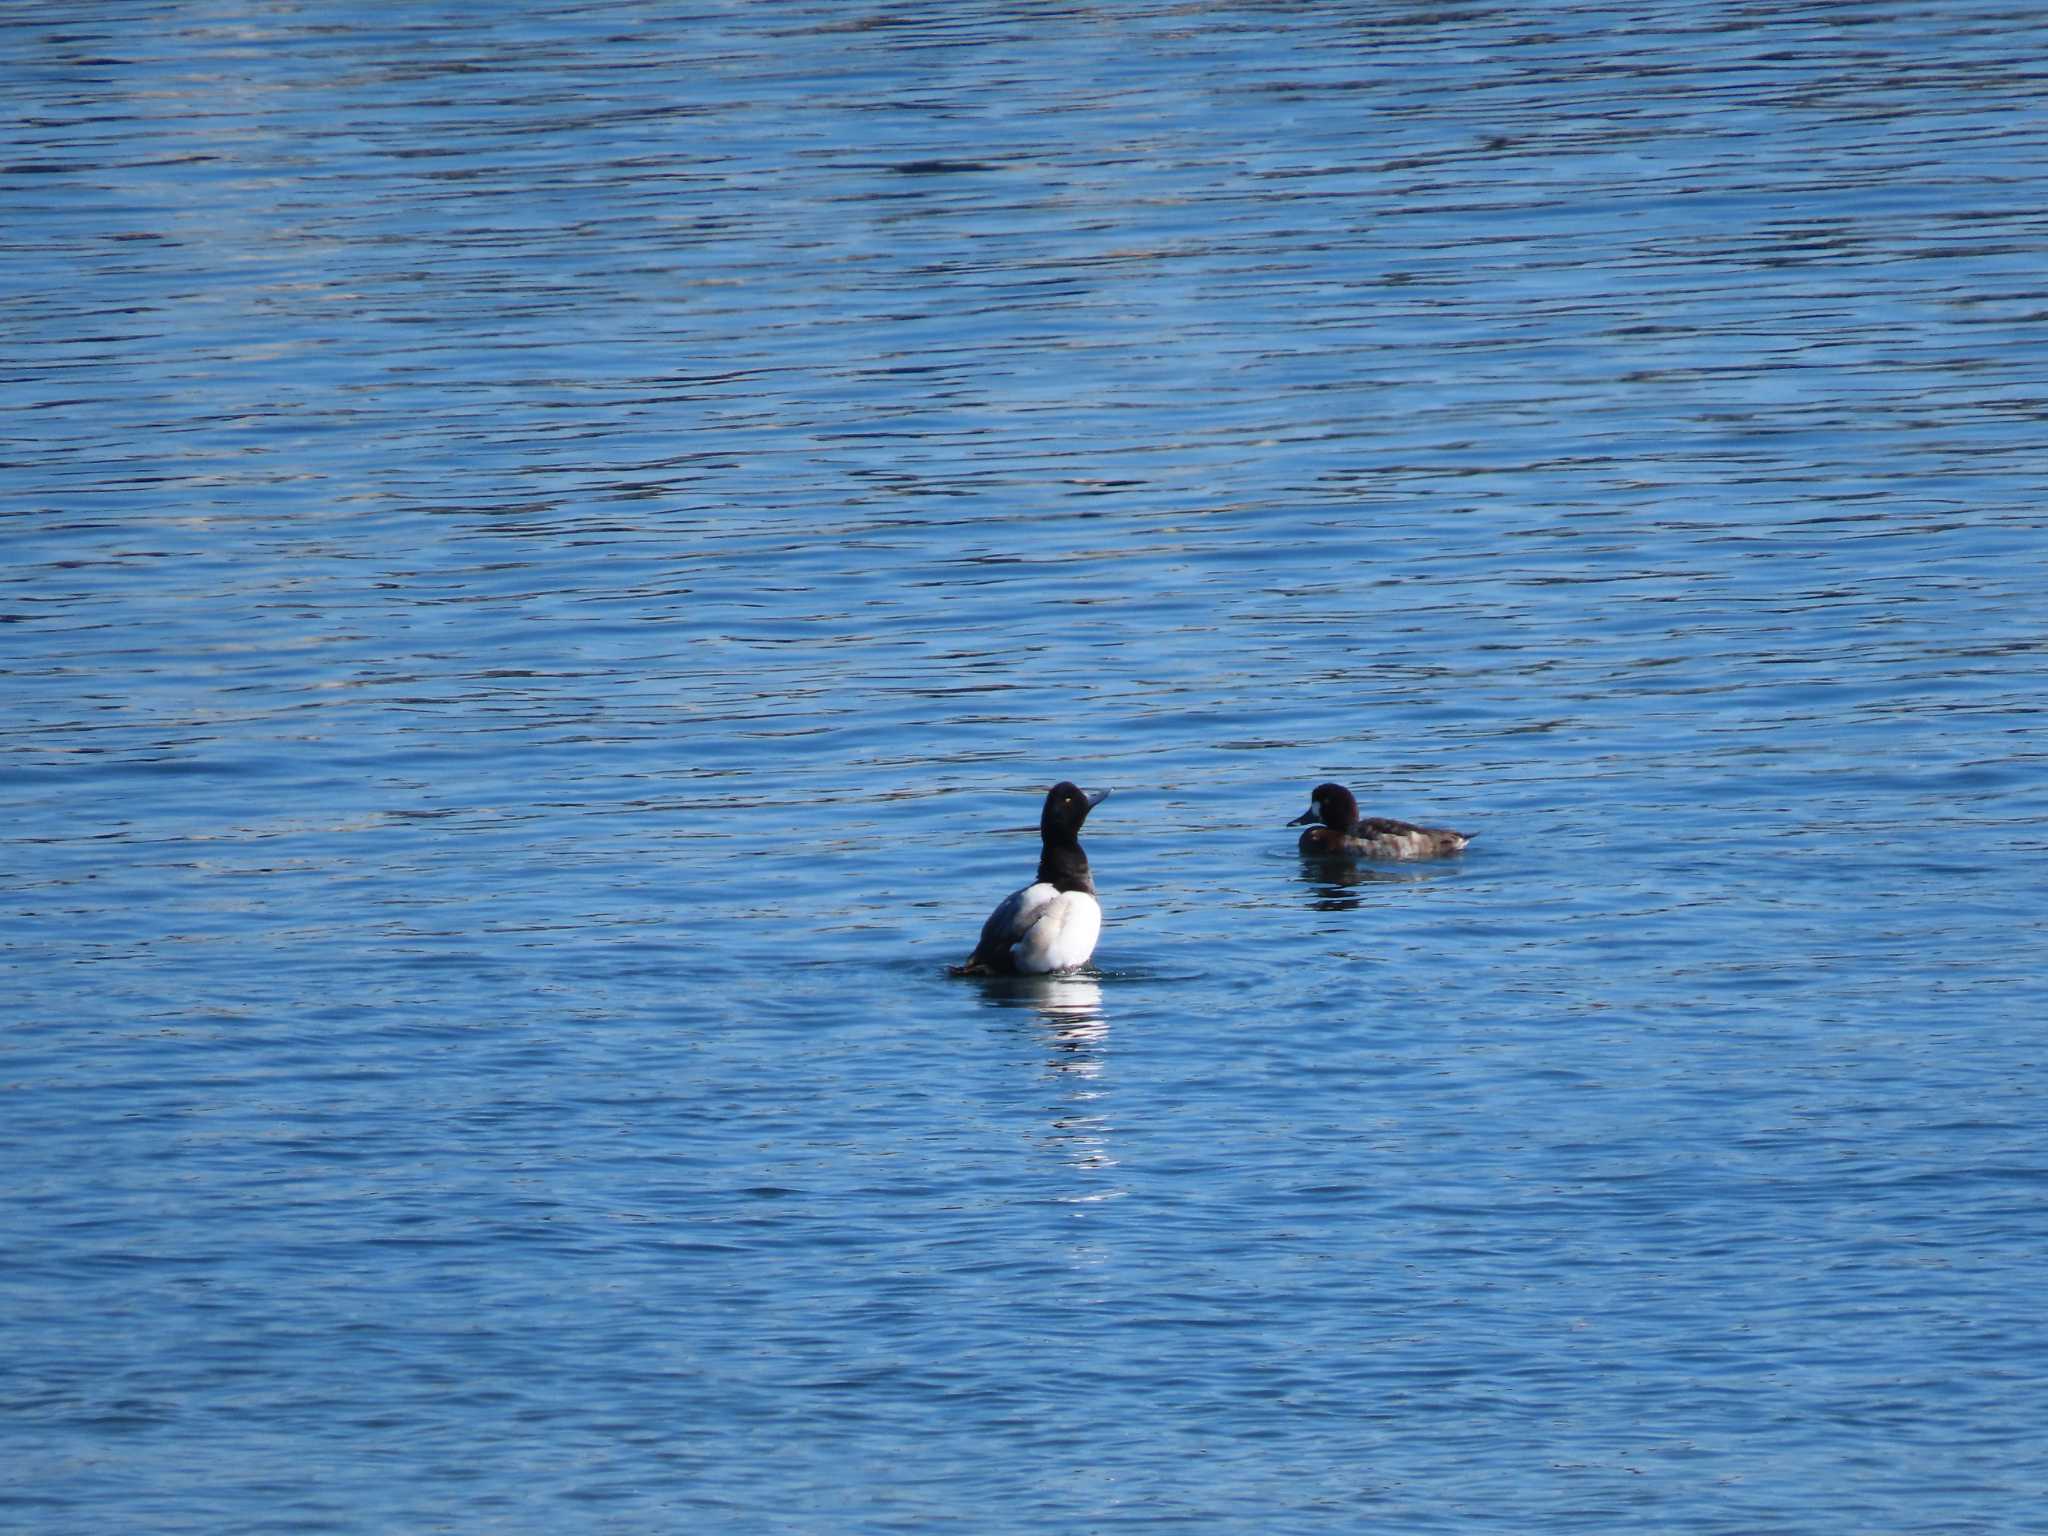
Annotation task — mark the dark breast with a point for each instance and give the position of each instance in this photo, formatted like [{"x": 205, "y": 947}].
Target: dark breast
[{"x": 1323, "y": 842}]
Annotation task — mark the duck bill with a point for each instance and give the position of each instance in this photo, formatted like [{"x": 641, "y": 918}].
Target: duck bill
[
  {"x": 1304, "y": 818},
  {"x": 1094, "y": 797}
]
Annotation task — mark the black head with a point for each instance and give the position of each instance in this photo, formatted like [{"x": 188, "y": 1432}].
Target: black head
[
  {"x": 1332, "y": 805},
  {"x": 1066, "y": 807},
  {"x": 1061, "y": 860}
]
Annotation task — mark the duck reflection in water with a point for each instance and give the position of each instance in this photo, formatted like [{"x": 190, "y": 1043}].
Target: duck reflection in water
[
  {"x": 1068, "y": 1009},
  {"x": 1070, "y": 1005},
  {"x": 1334, "y": 883}
]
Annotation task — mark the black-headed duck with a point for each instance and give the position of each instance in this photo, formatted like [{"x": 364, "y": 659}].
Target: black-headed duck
[{"x": 1053, "y": 923}]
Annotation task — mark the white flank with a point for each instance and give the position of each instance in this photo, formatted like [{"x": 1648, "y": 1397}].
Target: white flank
[{"x": 1061, "y": 935}]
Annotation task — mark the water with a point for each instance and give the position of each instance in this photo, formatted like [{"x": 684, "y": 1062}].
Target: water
[{"x": 545, "y": 547}]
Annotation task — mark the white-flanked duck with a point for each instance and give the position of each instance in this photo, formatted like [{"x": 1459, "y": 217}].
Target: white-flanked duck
[
  {"x": 1052, "y": 924},
  {"x": 1342, "y": 833}
]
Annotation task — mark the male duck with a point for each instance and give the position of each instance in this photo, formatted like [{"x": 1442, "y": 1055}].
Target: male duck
[
  {"x": 1052, "y": 924},
  {"x": 1344, "y": 833}
]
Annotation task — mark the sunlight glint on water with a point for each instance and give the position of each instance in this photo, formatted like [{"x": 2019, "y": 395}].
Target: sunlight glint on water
[{"x": 547, "y": 546}]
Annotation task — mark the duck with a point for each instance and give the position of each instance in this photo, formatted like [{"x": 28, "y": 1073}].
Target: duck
[
  {"x": 1342, "y": 832},
  {"x": 1052, "y": 924}
]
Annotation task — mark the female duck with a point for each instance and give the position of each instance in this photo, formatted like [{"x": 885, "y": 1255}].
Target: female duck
[
  {"x": 1344, "y": 833},
  {"x": 1052, "y": 924}
]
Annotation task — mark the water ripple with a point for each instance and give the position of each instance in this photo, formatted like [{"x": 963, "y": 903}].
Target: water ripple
[{"x": 547, "y": 548}]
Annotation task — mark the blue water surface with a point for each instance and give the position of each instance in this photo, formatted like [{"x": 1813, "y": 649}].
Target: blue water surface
[{"x": 550, "y": 549}]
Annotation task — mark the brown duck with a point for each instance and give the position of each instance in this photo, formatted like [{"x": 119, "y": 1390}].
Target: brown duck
[{"x": 1342, "y": 833}]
